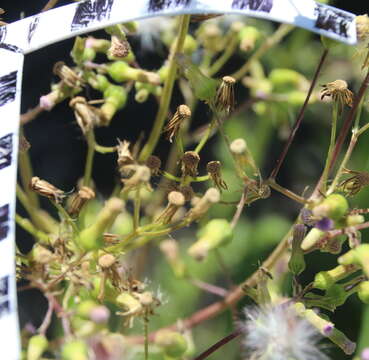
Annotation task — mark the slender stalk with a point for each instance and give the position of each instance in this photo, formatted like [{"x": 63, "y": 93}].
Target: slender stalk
[
  {"x": 167, "y": 91},
  {"x": 26, "y": 174},
  {"x": 66, "y": 217},
  {"x": 89, "y": 158},
  {"x": 136, "y": 211},
  {"x": 105, "y": 149},
  {"x": 286, "y": 192},
  {"x": 300, "y": 116},
  {"x": 205, "y": 137},
  {"x": 271, "y": 41},
  {"x": 146, "y": 334},
  {"x": 349, "y": 119},
  {"x": 218, "y": 345},
  {"x": 28, "y": 226},
  {"x": 227, "y": 53},
  {"x": 330, "y": 149},
  {"x": 50, "y": 4}
]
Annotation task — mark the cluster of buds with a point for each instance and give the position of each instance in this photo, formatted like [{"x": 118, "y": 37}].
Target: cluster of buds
[{"x": 215, "y": 233}]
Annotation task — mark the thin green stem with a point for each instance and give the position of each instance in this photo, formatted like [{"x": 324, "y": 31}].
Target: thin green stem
[
  {"x": 66, "y": 217},
  {"x": 167, "y": 91},
  {"x": 105, "y": 149},
  {"x": 230, "y": 49},
  {"x": 146, "y": 334},
  {"x": 286, "y": 192},
  {"x": 89, "y": 158},
  {"x": 28, "y": 226},
  {"x": 271, "y": 41},
  {"x": 136, "y": 211},
  {"x": 330, "y": 149},
  {"x": 205, "y": 137},
  {"x": 171, "y": 177}
]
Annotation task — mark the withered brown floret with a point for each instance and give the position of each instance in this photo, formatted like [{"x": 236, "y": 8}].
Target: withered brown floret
[{"x": 190, "y": 162}]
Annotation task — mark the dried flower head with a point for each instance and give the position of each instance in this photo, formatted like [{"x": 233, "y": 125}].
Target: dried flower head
[
  {"x": 190, "y": 162},
  {"x": 86, "y": 115},
  {"x": 153, "y": 163},
  {"x": 224, "y": 98},
  {"x": 140, "y": 177},
  {"x": 125, "y": 157},
  {"x": 182, "y": 113},
  {"x": 355, "y": 183},
  {"x": 339, "y": 92},
  {"x": 214, "y": 170},
  {"x": 200, "y": 208},
  {"x": 119, "y": 48},
  {"x": 79, "y": 200},
  {"x": 67, "y": 75},
  {"x": 175, "y": 200},
  {"x": 362, "y": 27},
  {"x": 278, "y": 333},
  {"x": 44, "y": 188}
]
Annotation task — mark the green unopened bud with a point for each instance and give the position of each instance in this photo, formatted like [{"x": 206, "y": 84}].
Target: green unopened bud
[
  {"x": 143, "y": 90},
  {"x": 36, "y": 346},
  {"x": 85, "y": 307},
  {"x": 115, "y": 98},
  {"x": 326, "y": 328},
  {"x": 215, "y": 233},
  {"x": 353, "y": 220},
  {"x": 286, "y": 79},
  {"x": 75, "y": 350},
  {"x": 204, "y": 87},
  {"x": 88, "y": 54},
  {"x": 120, "y": 71},
  {"x": 297, "y": 262},
  {"x": 98, "y": 45},
  {"x": 99, "y": 82},
  {"x": 128, "y": 303},
  {"x": 358, "y": 256},
  {"x": 91, "y": 237},
  {"x": 324, "y": 279},
  {"x": 78, "y": 50},
  {"x": 190, "y": 45},
  {"x": 363, "y": 292},
  {"x": 333, "y": 206},
  {"x": 337, "y": 294},
  {"x": 173, "y": 343},
  {"x": 247, "y": 36}
]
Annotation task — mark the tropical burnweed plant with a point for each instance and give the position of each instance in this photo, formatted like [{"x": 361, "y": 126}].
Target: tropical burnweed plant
[{"x": 191, "y": 256}]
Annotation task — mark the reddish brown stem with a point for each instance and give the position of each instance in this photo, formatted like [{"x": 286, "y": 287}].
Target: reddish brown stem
[
  {"x": 299, "y": 119},
  {"x": 218, "y": 345}
]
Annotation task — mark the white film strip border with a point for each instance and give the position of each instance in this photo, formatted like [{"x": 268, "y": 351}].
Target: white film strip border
[{"x": 33, "y": 33}]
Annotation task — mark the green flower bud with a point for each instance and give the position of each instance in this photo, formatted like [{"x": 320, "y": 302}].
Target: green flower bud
[
  {"x": 74, "y": 350},
  {"x": 353, "y": 220},
  {"x": 163, "y": 72},
  {"x": 131, "y": 26},
  {"x": 36, "y": 346},
  {"x": 143, "y": 90},
  {"x": 358, "y": 256},
  {"x": 91, "y": 237},
  {"x": 333, "y": 206},
  {"x": 190, "y": 45},
  {"x": 115, "y": 98},
  {"x": 85, "y": 307},
  {"x": 120, "y": 71},
  {"x": 99, "y": 82},
  {"x": 215, "y": 233},
  {"x": 173, "y": 343},
  {"x": 311, "y": 239},
  {"x": 127, "y": 302},
  {"x": 337, "y": 295},
  {"x": 204, "y": 88},
  {"x": 286, "y": 79},
  {"x": 248, "y": 36},
  {"x": 363, "y": 292},
  {"x": 78, "y": 50},
  {"x": 88, "y": 54},
  {"x": 297, "y": 262},
  {"x": 324, "y": 279}
]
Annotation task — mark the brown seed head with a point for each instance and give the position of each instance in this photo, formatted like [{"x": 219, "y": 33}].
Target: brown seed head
[
  {"x": 119, "y": 48},
  {"x": 213, "y": 169},
  {"x": 46, "y": 189},
  {"x": 224, "y": 98},
  {"x": 339, "y": 92},
  {"x": 182, "y": 113},
  {"x": 86, "y": 115},
  {"x": 125, "y": 157},
  {"x": 79, "y": 200},
  {"x": 153, "y": 163},
  {"x": 190, "y": 162},
  {"x": 67, "y": 75}
]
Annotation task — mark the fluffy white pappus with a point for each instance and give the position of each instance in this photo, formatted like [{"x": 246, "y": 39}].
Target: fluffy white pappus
[
  {"x": 149, "y": 30},
  {"x": 278, "y": 333}
]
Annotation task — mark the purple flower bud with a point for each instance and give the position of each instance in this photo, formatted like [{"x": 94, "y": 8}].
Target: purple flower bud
[
  {"x": 306, "y": 216},
  {"x": 365, "y": 354},
  {"x": 325, "y": 224},
  {"x": 327, "y": 330}
]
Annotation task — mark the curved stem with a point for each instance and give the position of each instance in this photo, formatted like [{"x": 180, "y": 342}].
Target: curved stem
[
  {"x": 28, "y": 226},
  {"x": 167, "y": 91},
  {"x": 271, "y": 41},
  {"x": 90, "y": 156}
]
